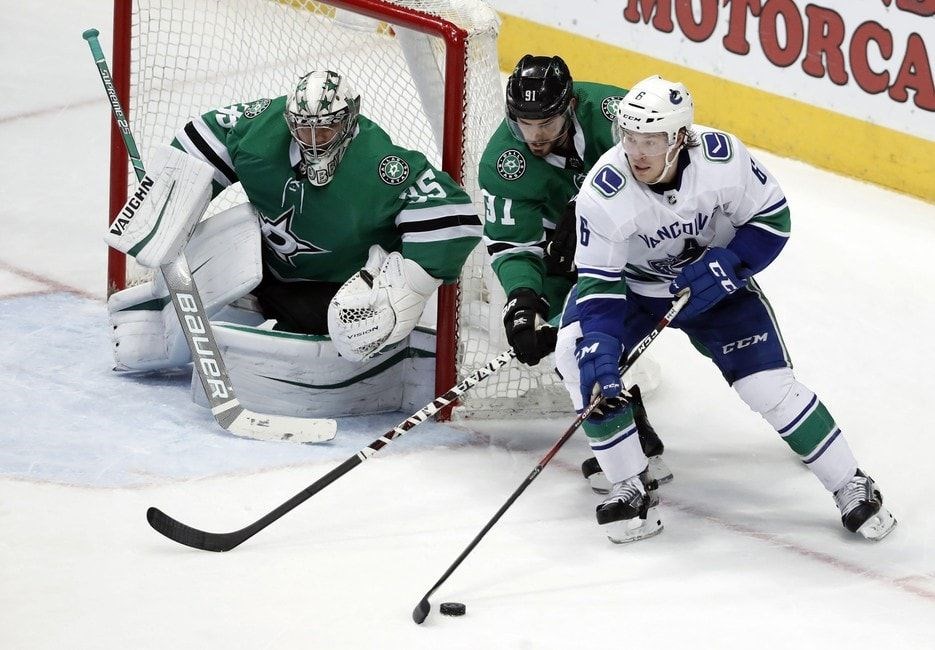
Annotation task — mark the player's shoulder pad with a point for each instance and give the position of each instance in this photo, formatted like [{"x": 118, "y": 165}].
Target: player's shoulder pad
[
  {"x": 604, "y": 97},
  {"x": 228, "y": 117},
  {"x": 717, "y": 146},
  {"x": 504, "y": 157},
  {"x": 608, "y": 177},
  {"x": 394, "y": 165}
]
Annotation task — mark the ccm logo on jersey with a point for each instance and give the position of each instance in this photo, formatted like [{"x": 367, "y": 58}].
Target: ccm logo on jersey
[
  {"x": 123, "y": 219},
  {"x": 745, "y": 343}
]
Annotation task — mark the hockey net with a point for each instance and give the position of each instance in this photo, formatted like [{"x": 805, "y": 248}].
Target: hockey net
[{"x": 428, "y": 73}]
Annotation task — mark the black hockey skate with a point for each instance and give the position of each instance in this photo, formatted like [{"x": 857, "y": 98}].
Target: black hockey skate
[
  {"x": 649, "y": 441},
  {"x": 630, "y": 511},
  {"x": 861, "y": 507}
]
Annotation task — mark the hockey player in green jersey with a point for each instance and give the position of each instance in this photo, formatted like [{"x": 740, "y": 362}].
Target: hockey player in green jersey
[
  {"x": 530, "y": 173},
  {"x": 356, "y": 232}
]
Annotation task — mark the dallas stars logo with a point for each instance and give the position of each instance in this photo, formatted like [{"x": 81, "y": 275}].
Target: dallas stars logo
[
  {"x": 393, "y": 170},
  {"x": 255, "y": 108},
  {"x": 282, "y": 241},
  {"x": 609, "y": 106},
  {"x": 672, "y": 265},
  {"x": 511, "y": 164}
]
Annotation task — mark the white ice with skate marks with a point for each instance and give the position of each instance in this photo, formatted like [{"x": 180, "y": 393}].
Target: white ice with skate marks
[{"x": 752, "y": 554}]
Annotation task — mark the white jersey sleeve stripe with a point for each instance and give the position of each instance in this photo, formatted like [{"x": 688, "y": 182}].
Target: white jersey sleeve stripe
[
  {"x": 767, "y": 228},
  {"x": 601, "y": 296},
  {"x": 198, "y": 140}
]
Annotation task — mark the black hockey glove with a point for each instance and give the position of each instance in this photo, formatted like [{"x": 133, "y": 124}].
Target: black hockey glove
[
  {"x": 560, "y": 250},
  {"x": 530, "y": 341}
]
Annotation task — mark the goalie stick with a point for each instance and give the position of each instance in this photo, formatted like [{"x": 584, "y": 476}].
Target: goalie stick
[
  {"x": 205, "y": 541},
  {"x": 422, "y": 609},
  {"x": 208, "y": 362}
]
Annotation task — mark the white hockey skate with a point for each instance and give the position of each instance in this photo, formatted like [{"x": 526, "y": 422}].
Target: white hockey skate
[
  {"x": 630, "y": 511},
  {"x": 861, "y": 507}
]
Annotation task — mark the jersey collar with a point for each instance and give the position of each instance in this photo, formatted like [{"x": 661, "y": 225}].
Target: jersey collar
[
  {"x": 577, "y": 139},
  {"x": 676, "y": 183}
]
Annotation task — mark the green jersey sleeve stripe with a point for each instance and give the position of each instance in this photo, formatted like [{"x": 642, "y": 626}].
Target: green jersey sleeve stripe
[
  {"x": 594, "y": 287},
  {"x": 778, "y": 224}
]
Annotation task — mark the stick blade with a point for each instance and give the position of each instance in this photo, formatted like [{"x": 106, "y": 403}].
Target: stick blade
[
  {"x": 421, "y": 611},
  {"x": 284, "y": 428},
  {"x": 183, "y": 534}
]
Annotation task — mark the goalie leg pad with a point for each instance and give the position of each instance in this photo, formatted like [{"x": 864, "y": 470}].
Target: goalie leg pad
[
  {"x": 155, "y": 223},
  {"x": 225, "y": 253},
  {"x": 303, "y": 375}
]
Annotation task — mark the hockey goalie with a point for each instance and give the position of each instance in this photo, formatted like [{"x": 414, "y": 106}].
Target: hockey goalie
[{"x": 316, "y": 285}]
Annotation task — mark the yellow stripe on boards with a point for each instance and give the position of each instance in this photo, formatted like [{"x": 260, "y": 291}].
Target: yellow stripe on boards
[{"x": 784, "y": 126}]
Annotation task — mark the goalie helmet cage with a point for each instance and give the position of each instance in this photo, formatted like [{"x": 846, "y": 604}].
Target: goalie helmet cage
[{"x": 427, "y": 72}]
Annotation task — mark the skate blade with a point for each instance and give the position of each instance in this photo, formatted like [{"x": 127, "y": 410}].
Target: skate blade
[
  {"x": 633, "y": 530},
  {"x": 878, "y": 526}
]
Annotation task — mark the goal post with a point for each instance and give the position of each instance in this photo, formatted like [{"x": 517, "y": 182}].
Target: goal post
[{"x": 428, "y": 73}]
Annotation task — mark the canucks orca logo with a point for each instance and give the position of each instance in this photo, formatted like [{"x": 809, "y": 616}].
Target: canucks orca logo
[
  {"x": 675, "y": 96},
  {"x": 672, "y": 265},
  {"x": 282, "y": 241},
  {"x": 393, "y": 170},
  {"x": 511, "y": 164}
]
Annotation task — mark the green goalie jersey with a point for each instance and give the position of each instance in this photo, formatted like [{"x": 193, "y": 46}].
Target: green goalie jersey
[
  {"x": 380, "y": 194},
  {"x": 525, "y": 196}
]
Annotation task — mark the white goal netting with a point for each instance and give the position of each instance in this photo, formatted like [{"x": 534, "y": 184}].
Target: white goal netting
[{"x": 190, "y": 56}]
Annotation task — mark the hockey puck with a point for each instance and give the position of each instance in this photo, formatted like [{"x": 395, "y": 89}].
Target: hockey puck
[{"x": 452, "y": 609}]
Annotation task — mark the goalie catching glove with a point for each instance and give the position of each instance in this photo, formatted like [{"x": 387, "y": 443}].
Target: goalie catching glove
[{"x": 379, "y": 305}]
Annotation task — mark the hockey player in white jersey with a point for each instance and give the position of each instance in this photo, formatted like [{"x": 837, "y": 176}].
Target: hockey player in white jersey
[{"x": 674, "y": 207}]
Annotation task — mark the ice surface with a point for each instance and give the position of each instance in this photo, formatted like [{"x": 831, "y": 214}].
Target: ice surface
[{"x": 752, "y": 555}]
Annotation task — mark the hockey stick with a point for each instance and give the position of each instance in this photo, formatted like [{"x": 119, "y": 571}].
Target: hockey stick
[
  {"x": 208, "y": 362},
  {"x": 179, "y": 532},
  {"x": 422, "y": 609}
]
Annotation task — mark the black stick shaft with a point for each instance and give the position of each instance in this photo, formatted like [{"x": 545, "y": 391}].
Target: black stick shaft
[
  {"x": 206, "y": 541},
  {"x": 423, "y": 607}
]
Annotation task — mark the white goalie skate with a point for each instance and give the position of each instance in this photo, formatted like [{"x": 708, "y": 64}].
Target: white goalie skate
[
  {"x": 861, "y": 507},
  {"x": 630, "y": 511}
]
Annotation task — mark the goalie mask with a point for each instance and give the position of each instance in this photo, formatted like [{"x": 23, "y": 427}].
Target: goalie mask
[{"x": 322, "y": 117}]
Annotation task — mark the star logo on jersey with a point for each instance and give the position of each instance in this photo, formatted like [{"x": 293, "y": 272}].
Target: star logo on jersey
[
  {"x": 579, "y": 180},
  {"x": 672, "y": 265},
  {"x": 255, "y": 108},
  {"x": 393, "y": 170},
  {"x": 282, "y": 241},
  {"x": 609, "y": 106},
  {"x": 511, "y": 164}
]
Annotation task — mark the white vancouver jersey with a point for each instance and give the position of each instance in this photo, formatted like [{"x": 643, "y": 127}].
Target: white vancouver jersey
[{"x": 643, "y": 236}]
